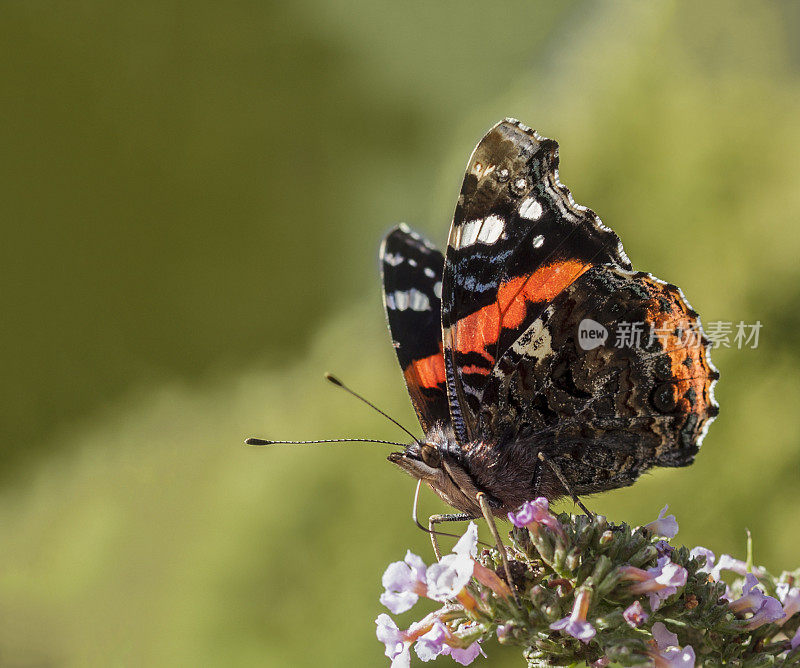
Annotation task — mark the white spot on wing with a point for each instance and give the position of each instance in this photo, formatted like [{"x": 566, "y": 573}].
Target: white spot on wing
[
  {"x": 412, "y": 262},
  {"x": 402, "y": 300},
  {"x": 418, "y": 301},
  {"x": 468, "y": 232},
  {"x": 530, "y": 209},
  {"x": 437, "y": 289},
  {"x": 393, "y": 259},
  {"x": 430, "y": 273},
  {"x": 538, "y": 240},
  {"x": 491, "y": 229},
  {"x": 486, "y": 230},
  {"x": 482, "y": 171}
]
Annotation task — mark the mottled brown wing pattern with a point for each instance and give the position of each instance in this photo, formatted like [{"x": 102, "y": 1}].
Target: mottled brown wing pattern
[{"x": 605, "y": 415}]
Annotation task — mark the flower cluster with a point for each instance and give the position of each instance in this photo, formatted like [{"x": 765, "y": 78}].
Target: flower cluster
[
  {"x": 442, "y": 632},
  {"x": 593, "y": 592}
]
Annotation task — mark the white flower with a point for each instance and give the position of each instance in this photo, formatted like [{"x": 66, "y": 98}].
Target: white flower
[
  {"x": 447, "y": 578},
  {"x": 404, "y": 583},
  {"x": 468, "y": 543},
  {"x": 397, "y": 648}
]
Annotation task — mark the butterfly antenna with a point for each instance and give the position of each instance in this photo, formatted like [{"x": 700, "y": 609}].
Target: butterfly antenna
[
  {"x": 333, "y": 379},
  {"x": 261, "y": 441}
]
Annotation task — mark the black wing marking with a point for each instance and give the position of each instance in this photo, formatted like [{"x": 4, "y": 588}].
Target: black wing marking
[{"x": 412, "y": 284}]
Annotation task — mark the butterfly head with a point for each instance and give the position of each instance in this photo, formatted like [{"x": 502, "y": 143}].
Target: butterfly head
[
  {"x": 434, "y": 461},
  {"x": 423, "y": 461}
]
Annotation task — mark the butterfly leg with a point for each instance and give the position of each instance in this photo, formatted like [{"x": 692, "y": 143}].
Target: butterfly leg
[
  {"x": 433, "y": 519},
  {"x": 501, "y": 548},
  {"x": 554, "y": 467},
  {"x": 438, "y": 519}
]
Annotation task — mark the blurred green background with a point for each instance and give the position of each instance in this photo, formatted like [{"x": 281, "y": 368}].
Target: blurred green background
[{"x": 192, "y": 197}]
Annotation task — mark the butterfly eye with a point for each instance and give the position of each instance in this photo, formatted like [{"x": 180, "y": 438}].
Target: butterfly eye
[{"x": 431, "y": 456}]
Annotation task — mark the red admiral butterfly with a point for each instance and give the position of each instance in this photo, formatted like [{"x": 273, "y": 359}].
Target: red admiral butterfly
[
  {"x": 490, "y": 341},
  {"x": 487, "y": 336}
]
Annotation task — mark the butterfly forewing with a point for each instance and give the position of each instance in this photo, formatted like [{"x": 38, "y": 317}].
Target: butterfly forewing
[{"x": 516, "y": 242}]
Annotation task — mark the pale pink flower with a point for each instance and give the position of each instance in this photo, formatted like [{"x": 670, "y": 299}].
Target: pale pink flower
[{"x": 663, "y": 526}]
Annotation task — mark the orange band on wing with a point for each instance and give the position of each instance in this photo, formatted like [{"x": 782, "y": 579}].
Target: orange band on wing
[
  {"x": 474, "y": 368},
  {"x": 689, "y": 364},
  {"x": 473, "y": 333},
  {"x": 426, "y": 372}
]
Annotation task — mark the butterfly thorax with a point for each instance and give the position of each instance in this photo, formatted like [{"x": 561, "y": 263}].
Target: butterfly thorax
[{"x": 508, "y": 475}]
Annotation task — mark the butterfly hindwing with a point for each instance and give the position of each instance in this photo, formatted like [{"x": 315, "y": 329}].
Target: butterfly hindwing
[
  {"x": 412, "y": 284},
  {"x": 605, "y": 413},
  {"x": 516, "y": 242}
]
